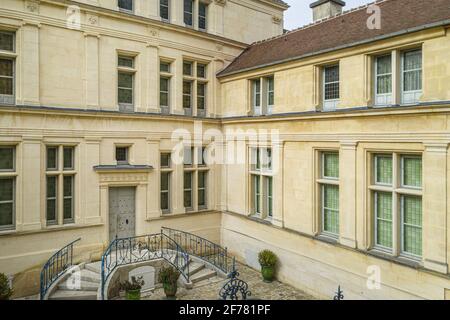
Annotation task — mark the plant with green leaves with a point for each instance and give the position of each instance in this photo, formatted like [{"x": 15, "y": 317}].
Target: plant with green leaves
[
  {"x": 133, "y": 288},
  {"x": 268, "y": 260},
  {"x": 5, "y": 290},
  {"x": 169, "y": 278}
]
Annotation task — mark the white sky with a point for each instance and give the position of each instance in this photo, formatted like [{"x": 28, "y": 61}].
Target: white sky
[{"x": 300, "y": 14}]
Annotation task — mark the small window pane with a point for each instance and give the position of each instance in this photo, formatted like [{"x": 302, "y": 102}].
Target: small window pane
[
  {"x": 52, "y": 158},
  {"x": 164, "y": 9},
  {"x": 331, "y": 165},
  {"x": 412, "y": 172},
  {"x": 125, "y": 80},
  {"x": 164, "y": 92},
  {"x": 383, "y": 212},
  {"x": 126, "y": 5},
  {"x": 68, "y": 158},
  {"x": 187, "y": 68},
  {"x": 201, "y": 96},
  {"x": 412, "y": 69},
  {"x": 165, "y": 160},
  {"x": 187, "y": 95},
  {"x": 202, "y": 156},
  {"x": 383, "y": 170},
  {"x": 412, "y": 224},
  {"x": 188, "y": 12},
  {"x": 6, "y": 189},
  {"x": 6, "y": 214},
  {"x": 164, "y": 67},
  {"x": 330, "y": 208},
  {"x": 6, "y": 41},
  {"x": 126, "y": 62},
  {"x": 188, "y": 156},
  {"x": 257, "y": 193},
  {"x": 6, "y": 67},
  {"x": 269, "y": 196},
  {"x": 202, "y": 12},
  {"x": 202, "y": 188},
  {"x": 201, "y": 70},
  {"x": 188, "y": 189},
  {"x": 6, "y": 86},
  {"x": 384, "y": 74},
  {"x": 332, "y": 83},
  {"x": 164, "y": 181},
  {"x": 7, "y": 158},
  {"x": 68, "y": 197},
  {"x": 51, "y": 198},
  {"x": 122, "y": 154}
]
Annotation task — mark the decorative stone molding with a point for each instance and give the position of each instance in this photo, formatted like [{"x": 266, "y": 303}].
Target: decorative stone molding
[
  {"x": 123, "y": 177},
  {"x": 221, "y": 2},
  {"x": 92, "y": 20},
  {"x": 277, "y": 20},
  {"x": 153, "y": 32},
  {"x": 219, "y": 47},
  {"x": 32, "y": 6}
]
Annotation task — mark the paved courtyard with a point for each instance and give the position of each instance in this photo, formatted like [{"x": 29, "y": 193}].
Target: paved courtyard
[{"x": 209, "y": 289}]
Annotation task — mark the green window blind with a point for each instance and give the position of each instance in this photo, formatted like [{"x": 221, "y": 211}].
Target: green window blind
[
  {"x": 383, "y": 170},
  {"x": 412, "y": 171},
  {"x": 412, "y": 224},
  {"x": 383, "y": 211},
  {"x": 331, "y": 165},
  {"x": 330, "y": 208}
]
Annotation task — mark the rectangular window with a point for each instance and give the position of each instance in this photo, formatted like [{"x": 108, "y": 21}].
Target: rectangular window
[
  {"x": 187, "y": 94},
  {"x": 68, "y": 198},
  {"x": 202, "y": 184},
  {"x": 68, "y": 158},
  {"x": 269, "y": 196},
  {"x": 189, "y": 12},
  {"x": 7, "y": 158},
  {"x": 187, "y": 68},
  {"x": 412, "y": 76},
  {"x": 6, "y": 80},
  {"x": 164, "y": 92},
  {"x": 126, "y": 5},
  {"x": 329, "y": 189},
  {"x": 165, "y": 160},
  {"x": 201, "y": 70},
  {"x": 188, "y": 159},
  {"x": 7, "y": 203},
  {"x": 387, "y": 190},
  {"x": 261, "y": 179},
  {"x": 7, "y": 40},
  {"x": 383, "y": 80},
  {"x": 188, "y": 181},
  {"x": 52, "y": 158},
  {"x": 122, "y": 155},
  {"x": 270, "y": 94},
  {"x": 331, "y": 89},
  {"x": 256, "y": 93},
  {"x": 383, "y": 216},
  {"x": 164, "y": 67},
  {"x": 125, "y": 83},
  {"x": 52, "y": 199},
  {"x": 164, "y": 10},
  {"x": 201, "y": 96},
  {"x": 165, "y": 192},
  {"x": 257, "y": 194},
  {"x": 202, "y": 15}
]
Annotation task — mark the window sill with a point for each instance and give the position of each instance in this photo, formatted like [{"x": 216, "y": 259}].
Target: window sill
[
  {"x": 51, "y": 228},
  {"x": 403, "y": 260},
  {"x": 327, "y": 238},
  {"x": 260, "y": 219}
]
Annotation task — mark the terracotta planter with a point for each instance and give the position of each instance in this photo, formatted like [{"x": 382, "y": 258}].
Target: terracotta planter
[
  {"x": 133, "y": 295},
  {"x": 268, "y": 273},
  {"x": 170, "y": 289}
]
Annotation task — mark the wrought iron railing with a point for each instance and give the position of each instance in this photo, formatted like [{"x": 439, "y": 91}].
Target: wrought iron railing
[
  {"x": 204, "y": 249},
  {"x": 140, "y": 249},
  {"x": 55, "y": 267}
]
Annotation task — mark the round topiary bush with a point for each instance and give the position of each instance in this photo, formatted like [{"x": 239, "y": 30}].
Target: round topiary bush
[{"x": 268, "y": 260}]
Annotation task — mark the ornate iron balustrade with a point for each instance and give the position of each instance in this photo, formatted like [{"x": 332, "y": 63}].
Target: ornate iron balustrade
[
  {"x": 140, "y": 249},
  {"x": 203, "y": 249},
  {"x": 55, "y": 267},
  {"x": 235, "y": 288}
]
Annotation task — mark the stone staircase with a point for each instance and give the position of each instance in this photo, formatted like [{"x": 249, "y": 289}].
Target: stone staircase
[
  {"x": 86, "y": 289},
  {"x": 198, "y": 272}
]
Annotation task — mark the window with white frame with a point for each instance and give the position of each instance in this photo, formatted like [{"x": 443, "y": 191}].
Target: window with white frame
[
  {"x": 331, "y": 87},
  {"x": 164, "y": 9},
  {"x": 202, "y": 178},
  {"x": 202, "y": 15},
  {"x": 261, "y": 179},
  {"x": 195, "y": 78},
  {"x": 329, "y": 193},
  {"x": 396, "y": 192},
  {"x": 165, "y": 186},
  {"x": 256, "y": 96},
  {"x": 262, "y": 95},
  {"x": 122, "y": 155},
  {"x": 383, "y": 80},
  {"x": 125, "y": 83},
  {"x": 189, "y": 13},
  {"x": 60, "y": 184},
  {"x": 7, "y": 67},
  {"x": 125, "y": 5},
  {"x": 411, "y": 76},
  {"x": 165, "y": 86},
  {"x": 270, "y": 94},
  {"x": 188, "y": 194},
  {"x": 7, "y": 187}
]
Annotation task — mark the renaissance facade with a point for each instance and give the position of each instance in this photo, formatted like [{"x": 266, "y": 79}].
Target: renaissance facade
[{"x": 352, "y": 186}]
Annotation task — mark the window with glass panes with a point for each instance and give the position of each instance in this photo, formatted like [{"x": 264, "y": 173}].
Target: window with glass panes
[
  {"x": 125, "y": 83},
  {"x": 187, "y": 188},
  {"x": 7, "y": 68},
  {"x": 201, "y": 189},
  {"x": 329, "y": 197},
  {"x": 202, "y": 15},
  {"x": 261, "y": 178},
  {"x": 122, "y": 154},
  {"x": 195, "y": 86},
  {"x": 405, "y": 188},
  {"x": 164, "y": 86},
  {"x": 60, "y": 184},
  {"x": 187, "y": 94},
  {"x": 256, "y": 96},
  {"x": 412, "y": 76},
  {"x": 7, "y": 187},
  {"x": 164, "y": 9},
  {"x": 383, "y": 80},
  {"x": 270, "y": 94},
  {"x": 201, "y": 96},
  {"x": 189, "y": 12},
  {"x": 165, "y": 183},
  {"x": 331, "y": 87},
  {"x": 126, "y": 5}
]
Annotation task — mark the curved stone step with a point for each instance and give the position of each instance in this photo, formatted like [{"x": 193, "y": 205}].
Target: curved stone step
[
  {"x": 195, "y": 267},
  {"x": 88, "y": 275},
  {"x": 73, "y": 295},
  {"x": 83, "y": 286},
  {"x": 94, "y": 267},
  {"x": 202, "y": 275}
]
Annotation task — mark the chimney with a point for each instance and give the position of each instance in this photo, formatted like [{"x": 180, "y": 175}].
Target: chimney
[{"x": 323, "y": 9}]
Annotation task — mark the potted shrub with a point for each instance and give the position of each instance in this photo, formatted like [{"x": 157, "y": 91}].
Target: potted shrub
[
  {"x": 267, "y": 259},
  {"x": 5, "y": 291},
  {"x": 169, "y": 279},
  {"x": 132, "y": 289}
]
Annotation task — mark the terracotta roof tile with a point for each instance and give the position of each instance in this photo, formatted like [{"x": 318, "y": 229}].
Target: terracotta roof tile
[{"x": 349, "y": 28}]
